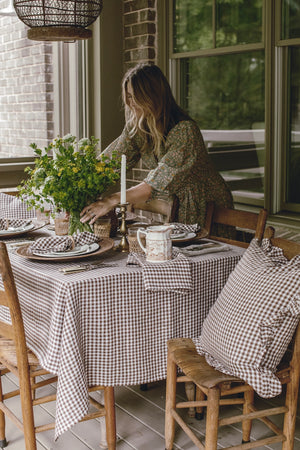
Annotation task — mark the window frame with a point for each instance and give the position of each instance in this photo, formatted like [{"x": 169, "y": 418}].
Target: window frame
[{"x": 276, "y": 113}]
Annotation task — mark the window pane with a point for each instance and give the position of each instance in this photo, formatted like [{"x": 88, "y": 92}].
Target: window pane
[
  {"x": 293, "y": 155},
  {"x": 192, "y": 25},
  {"x": 290, "y": 19},
  {"x": 26, "y": 90},
  {"x": 238, "y": 22},
  {"x": 225, "y": 95}
]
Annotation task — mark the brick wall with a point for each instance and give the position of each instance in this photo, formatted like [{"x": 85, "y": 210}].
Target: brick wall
[
  {"x": 26, "y": 89},
  {"x": 26, "y": 76},
  {"x": 139, "y": 32}
]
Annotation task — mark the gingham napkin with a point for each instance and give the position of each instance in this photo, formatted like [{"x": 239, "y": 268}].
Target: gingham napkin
[
  {"x": 174, "y": 275},
  {"x": 6, "y": 223},
  {"x": 62, "y": 243},
  {"x": 184, "y": 228}
]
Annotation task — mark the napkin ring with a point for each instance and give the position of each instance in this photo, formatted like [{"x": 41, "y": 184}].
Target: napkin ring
[{"x": 72, "y": 242}]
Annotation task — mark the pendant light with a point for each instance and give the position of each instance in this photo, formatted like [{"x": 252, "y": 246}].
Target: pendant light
[{"x": 58, "y": 20}]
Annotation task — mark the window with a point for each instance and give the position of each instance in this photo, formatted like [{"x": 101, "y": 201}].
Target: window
[
  {"x": 235, "y": 67},
  {"x": 289, "y": 46},
  {"x": 36, "y": 83}
]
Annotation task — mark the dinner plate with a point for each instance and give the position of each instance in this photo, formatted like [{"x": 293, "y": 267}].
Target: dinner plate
[
  {"x": 76, "y": 251},
  {"x": 185, "y": 238},
  {"x": 178, "y": 235},
  {"x": 34, "y": 225},
  {"x": 21, "y": 229},
  {"x": 105, "y": 245}
]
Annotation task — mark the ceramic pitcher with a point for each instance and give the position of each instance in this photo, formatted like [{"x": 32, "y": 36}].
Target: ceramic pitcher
[{"x": 158, "y": 242}]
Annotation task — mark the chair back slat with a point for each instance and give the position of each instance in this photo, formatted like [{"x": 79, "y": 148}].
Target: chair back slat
[
  {"x": 156, "y": 206},
  {"x": 238, "y": 220}
]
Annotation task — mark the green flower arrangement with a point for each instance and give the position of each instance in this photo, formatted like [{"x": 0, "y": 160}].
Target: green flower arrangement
[{"x": 69, "y": 175}]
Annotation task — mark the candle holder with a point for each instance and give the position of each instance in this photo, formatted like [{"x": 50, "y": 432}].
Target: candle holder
[{"x": 123, "y": 246}]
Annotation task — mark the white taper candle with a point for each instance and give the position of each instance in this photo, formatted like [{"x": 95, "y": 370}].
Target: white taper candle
[{"x": 123, "y": 180}]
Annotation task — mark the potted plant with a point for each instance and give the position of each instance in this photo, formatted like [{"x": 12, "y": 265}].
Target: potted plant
[{"x": 69, "y": 175}]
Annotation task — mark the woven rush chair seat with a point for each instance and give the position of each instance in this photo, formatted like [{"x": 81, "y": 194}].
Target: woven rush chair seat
[
  {"x": 15, "y": 357},
  {"x": 8, "y": 353},
  {"x": 216, "y": 389}
]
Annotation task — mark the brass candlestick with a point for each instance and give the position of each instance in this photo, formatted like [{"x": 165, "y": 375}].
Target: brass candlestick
[{"x": 123, "y": 246}]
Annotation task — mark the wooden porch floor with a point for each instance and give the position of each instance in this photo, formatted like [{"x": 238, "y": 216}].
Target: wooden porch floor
[{"x": 140, "y": 424}]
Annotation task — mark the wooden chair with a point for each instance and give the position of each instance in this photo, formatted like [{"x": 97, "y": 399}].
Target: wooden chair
[
  {"x": 239, "y": 222},
  {"x": 166, "y": 209},
  {"x": 218, "y": 388},
  {"x": 23, "y": 363}
]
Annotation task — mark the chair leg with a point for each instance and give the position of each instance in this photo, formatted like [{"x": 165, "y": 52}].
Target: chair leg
[
  {"x": 110, "y": 417},
  {"x": 247, "y": 424},
  {"x": 170, "y": 403},
  {"x": 27, "y": 414},
  {"x": 212, "y": 418},
  {"x": 3, "y": 442},
  {"x": 190, "y": 394},
  {"x": 199, "y": 410},
  {"x": 292, "y": 389}
]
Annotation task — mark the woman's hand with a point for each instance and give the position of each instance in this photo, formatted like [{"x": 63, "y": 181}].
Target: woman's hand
[
  {"x": 139, "y": 193},
  {"x": 98, "y": 209}
]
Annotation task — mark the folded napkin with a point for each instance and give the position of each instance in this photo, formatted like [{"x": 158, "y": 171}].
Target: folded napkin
[
  {"x": 202, "y": 249},
  {"x": 6, "y": 223},
  {"x": 184, "y": 228},
  {"x": 174, "y": 275},
  {"x": 62, "y": 243}
]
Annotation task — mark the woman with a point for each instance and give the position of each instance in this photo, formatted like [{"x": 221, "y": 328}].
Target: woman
[{"x": 169, "y": 143}]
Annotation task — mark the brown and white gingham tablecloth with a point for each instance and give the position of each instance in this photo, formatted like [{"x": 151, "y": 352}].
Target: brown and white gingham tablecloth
[{"x": 102, "y": 327}]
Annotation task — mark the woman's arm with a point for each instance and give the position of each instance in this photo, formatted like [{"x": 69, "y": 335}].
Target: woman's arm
[{"x": 139, "y": 193}]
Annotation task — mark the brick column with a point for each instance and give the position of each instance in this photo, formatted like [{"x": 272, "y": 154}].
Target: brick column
[{"x": 139, "y": 32}]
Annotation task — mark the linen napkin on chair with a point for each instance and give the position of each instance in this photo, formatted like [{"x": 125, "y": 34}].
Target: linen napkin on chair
[
  {"x": 6, "y": 223},
  {"x": 62, "y": 243},
  {"x": 174, "y": 275}
]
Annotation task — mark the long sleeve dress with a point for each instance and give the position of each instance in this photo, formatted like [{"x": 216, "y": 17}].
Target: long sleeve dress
[{"x": 183, "y": 169}]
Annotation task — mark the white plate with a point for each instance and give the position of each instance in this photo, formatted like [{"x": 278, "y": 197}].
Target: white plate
[
  {"x": 21, "y": 229},
  {"x": 186, "y": 237},
  {"x": 179, "y": 235},
  {"x": 84, "y": 249}
]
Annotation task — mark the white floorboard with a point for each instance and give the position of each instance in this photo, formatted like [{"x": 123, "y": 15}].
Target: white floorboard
[{"x": 140, "y": 424}]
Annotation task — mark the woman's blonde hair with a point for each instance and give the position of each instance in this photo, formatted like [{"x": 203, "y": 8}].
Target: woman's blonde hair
[{"x": 159, "y": 110}]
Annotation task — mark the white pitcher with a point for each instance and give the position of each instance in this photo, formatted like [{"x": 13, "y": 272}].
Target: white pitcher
[{"x": 158, "y": 242}]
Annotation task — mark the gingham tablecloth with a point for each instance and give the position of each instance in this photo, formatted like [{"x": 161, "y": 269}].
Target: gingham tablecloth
[{"x": 102, "y": 327}]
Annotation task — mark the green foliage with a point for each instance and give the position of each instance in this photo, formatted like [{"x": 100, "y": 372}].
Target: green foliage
[{"x": 70, "y": 179}]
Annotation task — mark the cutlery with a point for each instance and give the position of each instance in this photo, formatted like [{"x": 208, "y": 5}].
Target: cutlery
[{"x": 84, "y": 267}]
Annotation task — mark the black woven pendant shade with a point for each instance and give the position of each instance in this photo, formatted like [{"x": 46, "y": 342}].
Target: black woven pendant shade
[{"x": 58, "y": 20}]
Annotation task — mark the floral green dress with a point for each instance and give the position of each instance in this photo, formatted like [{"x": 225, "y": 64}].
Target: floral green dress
[{"x": 183, "y": 169}]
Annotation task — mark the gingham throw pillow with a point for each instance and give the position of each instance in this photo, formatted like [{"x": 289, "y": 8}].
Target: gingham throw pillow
[{"x": 248, "y": 329}]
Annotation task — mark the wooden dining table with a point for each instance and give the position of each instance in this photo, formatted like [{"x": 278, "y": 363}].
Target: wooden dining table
[{"x": 102, "y": 326}]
